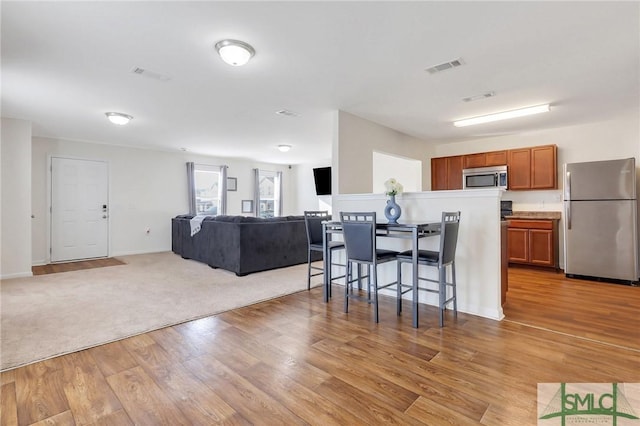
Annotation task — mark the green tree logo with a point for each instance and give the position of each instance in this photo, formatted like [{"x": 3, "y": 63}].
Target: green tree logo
[{"x": 586, "y": 402}]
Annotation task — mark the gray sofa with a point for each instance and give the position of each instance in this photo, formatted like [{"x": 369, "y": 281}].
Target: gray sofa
[{"x": 242, "y": 244}]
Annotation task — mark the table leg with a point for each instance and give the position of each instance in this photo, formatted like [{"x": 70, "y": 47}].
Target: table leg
[{"x": 414, "y": 266}]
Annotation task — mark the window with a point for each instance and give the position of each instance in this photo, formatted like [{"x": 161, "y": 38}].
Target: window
[
  {"x": 268, "y": 193},
  {"x": 207, "y": 189}
]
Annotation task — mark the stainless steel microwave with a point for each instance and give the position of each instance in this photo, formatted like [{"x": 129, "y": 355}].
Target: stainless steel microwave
[{"x": 485, "y": 177}]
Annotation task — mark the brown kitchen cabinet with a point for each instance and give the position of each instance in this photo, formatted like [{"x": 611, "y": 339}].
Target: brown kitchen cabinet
[
  {"x": 485, "y": 159},
  {"x": 533, "y": 168},
  {"x": 496, "y": 158},
  {"x": 446, "y": 173},
  {"x": 533, "y": 242},
  {"x": 475, "y": 160}
]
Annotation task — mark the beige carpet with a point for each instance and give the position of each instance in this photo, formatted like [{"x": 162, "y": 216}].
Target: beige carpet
[{"x": 50, "y": 315}]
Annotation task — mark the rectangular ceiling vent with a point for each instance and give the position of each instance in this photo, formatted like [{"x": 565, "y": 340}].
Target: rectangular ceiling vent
[
  {"x": 480, "y": 96},
  {"x": 287, "y": 113},
  {"x": 445, "y": 66},
  {"x": 150, "y": 74}
]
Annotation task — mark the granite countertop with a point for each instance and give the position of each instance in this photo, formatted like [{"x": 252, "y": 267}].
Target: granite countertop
[{"x": 535, "y": 215}]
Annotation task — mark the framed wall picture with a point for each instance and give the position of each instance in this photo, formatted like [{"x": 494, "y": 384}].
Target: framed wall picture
[
  {"x": 232, "y": 184},
  {"x": 247, "y": 206}
]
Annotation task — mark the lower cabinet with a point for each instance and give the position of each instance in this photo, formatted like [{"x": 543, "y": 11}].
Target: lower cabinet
[{"x": 533, "y": 242}]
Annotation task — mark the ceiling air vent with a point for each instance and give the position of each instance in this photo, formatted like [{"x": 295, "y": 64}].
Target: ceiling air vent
[
  {"x": 445, "y": 66},
  {"x": 150, "y": 74},
  {"x": 287, "y": 113},
  {"x": 480, "y": 96}
]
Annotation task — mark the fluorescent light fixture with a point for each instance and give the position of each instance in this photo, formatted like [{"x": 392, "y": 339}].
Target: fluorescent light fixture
[
  {"x": 502, "y": 115},
  {"x": 235, "y": 52},
  {"x": 284, "y": 148},
  {"x": 118, "y": 118}
]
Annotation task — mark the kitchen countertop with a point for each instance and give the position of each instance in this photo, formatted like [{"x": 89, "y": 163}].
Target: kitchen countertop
[{"x": 548, "y": 215}]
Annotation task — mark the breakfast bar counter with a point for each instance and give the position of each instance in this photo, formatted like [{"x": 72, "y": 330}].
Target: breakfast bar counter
[{"x": 478, "y": 254}]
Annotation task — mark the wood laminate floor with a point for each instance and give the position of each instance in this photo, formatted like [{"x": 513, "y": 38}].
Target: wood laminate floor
[
  {"x": 297, "y": 360},
  {"x": 54, "y": 268}
]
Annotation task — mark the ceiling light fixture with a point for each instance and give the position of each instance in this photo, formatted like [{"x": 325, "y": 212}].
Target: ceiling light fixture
[
  {"x": 284, "y": 148},
  {"x": 235, "y": 52},
  {"x": 502, "y": 115},
  {"x": 118, "y": 118}
]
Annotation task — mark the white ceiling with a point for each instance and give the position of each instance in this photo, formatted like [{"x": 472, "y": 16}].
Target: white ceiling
[{"x": 64, "y": 64}]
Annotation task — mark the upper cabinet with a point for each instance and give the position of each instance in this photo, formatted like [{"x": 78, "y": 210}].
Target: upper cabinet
[
  {"x": 446, "y": 173},
  {"x": 529, "y": 168},
  {"x": 496, "y": 158},
  {"x": 533, "y": 168},
  {"x": 485, "y": 159}
]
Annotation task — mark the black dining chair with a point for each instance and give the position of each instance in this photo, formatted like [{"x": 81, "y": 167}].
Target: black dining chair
[
  {"x": 440, "y": 259},
  {"x": 313, "y": 223},
  {"x": 359, "y": 233}
]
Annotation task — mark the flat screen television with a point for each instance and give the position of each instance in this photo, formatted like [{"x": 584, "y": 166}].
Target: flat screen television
[{"x": 322, "y": 178}]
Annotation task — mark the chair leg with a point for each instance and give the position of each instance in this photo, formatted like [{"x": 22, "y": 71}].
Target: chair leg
[
  {"x": 346, "y": 288},
  {"x": 442, "y": 293},
  {"x": 369, "y": 283},
  {"x": 308, "y": 269},
  {"x": 375, "y": 291},
  {"x": 328, "y": 269},
  {"x": 455, "y": 296},
  {"x": 399, "y": 288}
]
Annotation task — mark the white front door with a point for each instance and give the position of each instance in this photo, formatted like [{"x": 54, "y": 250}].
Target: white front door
[{"x": 79, "y": 209}]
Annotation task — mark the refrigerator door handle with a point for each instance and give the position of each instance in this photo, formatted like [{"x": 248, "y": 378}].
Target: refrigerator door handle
[{"x": 567, "y": 198}]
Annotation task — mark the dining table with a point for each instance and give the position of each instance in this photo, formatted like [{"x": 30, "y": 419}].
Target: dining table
[{"x": 411, "y": 230}]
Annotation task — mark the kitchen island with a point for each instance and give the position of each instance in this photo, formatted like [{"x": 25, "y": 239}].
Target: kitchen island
[{"x": 478, "y": 254}]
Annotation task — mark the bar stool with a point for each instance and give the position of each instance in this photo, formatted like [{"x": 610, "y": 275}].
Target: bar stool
[
  {"x": 313, "y": 223},
  {"x": 359, "y": 232},
  {"x": 439, "y": 259}
]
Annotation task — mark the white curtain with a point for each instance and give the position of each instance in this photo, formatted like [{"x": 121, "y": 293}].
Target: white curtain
[
  {"x": 223, "y": 190},
  {"x": 278, "y": 194},
  {"x": 256, "y": 192},
  {"x": 191, "y": 187}
]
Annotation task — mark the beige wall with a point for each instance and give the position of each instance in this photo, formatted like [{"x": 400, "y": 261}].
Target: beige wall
[
  {"x": 358, "y": 139},
  {"x": 604, "y": 140},
  {"x": 146, "y": 189},
  {"x": 15, "y": 247}
]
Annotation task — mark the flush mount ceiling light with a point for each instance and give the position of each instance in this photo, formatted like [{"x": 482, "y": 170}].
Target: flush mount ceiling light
[
  {"x": 284, "y": 148},
  {"x": 235, "y": 52},
  {"x": 502, "y": 115},
  {"x": 118, "y": 118}
]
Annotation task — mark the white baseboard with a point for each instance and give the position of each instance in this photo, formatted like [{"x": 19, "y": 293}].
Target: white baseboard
[
  {"x": 131, "y": 253},
  {"x": 16, "y": 275}
]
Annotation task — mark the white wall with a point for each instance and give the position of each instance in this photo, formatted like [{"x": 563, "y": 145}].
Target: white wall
[
  {"x": 605, "y": 140},
  {"x": 478, "y": 250},
  {"x": 358, "y": 139},
  {"x": 146, "y": 189},
  {"x": 15, "y": 248},
  {"x": 304, "y": 188},
  {"x": 407, "y": 171}
]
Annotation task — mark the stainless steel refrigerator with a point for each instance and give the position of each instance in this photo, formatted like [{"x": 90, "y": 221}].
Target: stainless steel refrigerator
[{"x": 600, "y": 220}]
